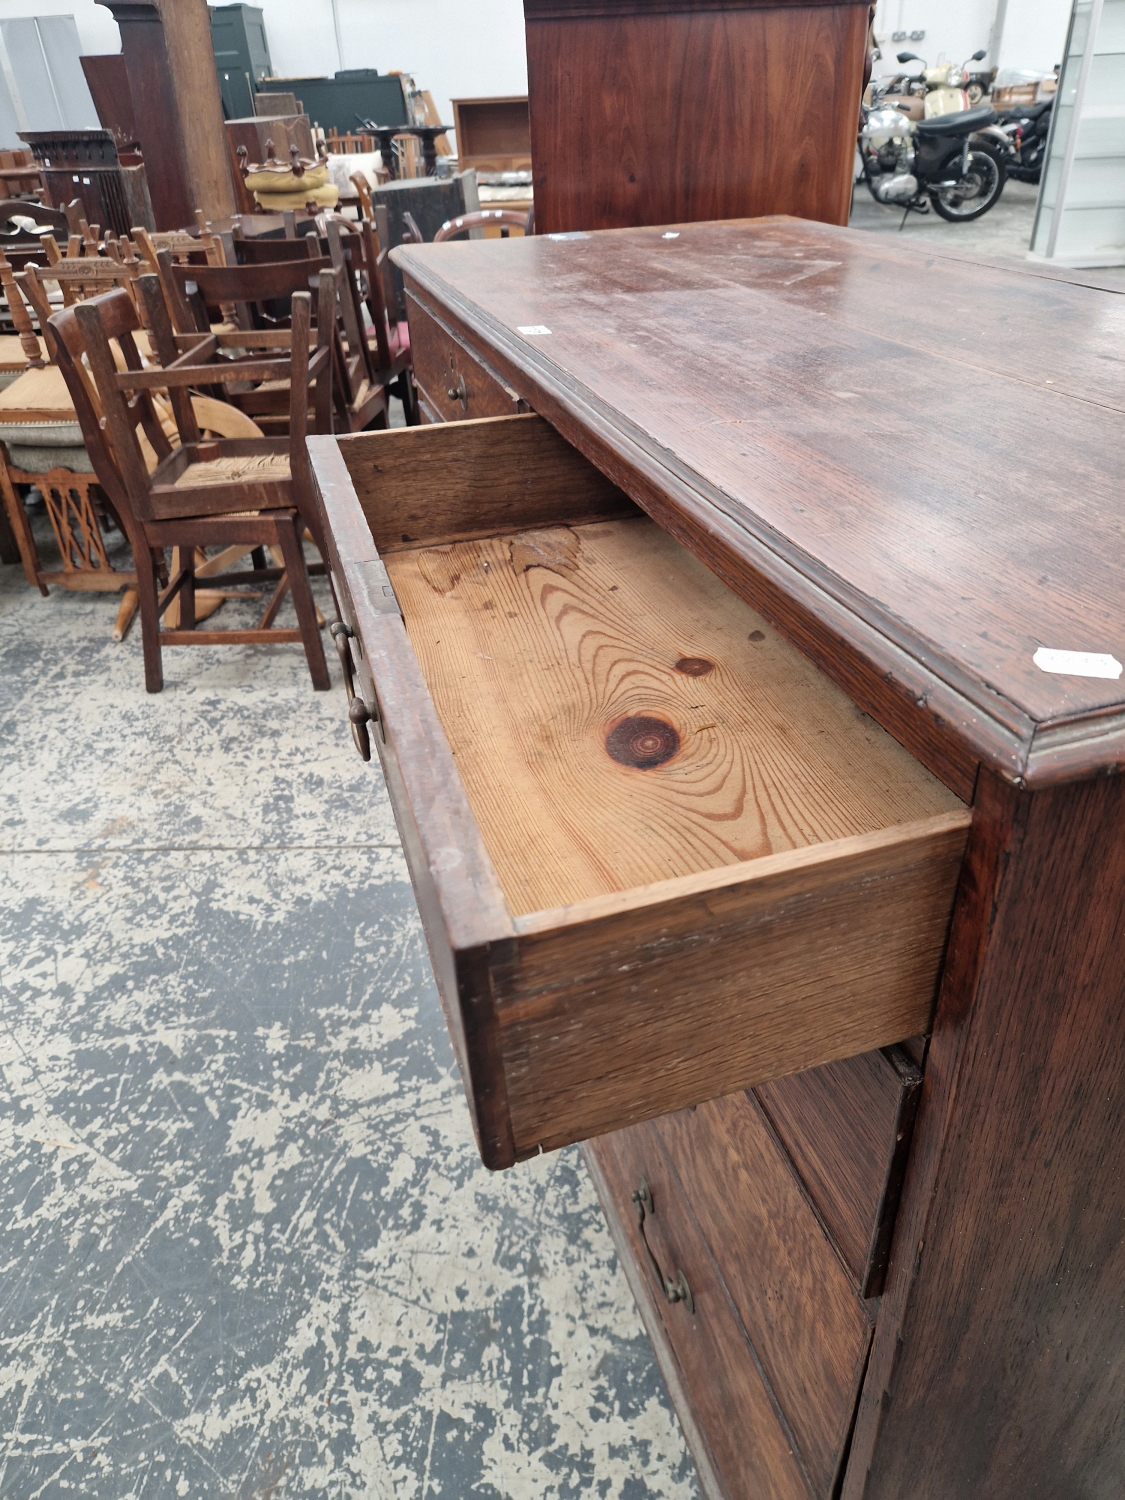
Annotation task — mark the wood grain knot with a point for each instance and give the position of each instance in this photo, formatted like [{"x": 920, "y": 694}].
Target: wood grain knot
[
  {"x": 694, "y": 666},
  {"x": 642, "y": 742}
]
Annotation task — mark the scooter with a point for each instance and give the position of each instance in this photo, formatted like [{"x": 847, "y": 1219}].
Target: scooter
[{"x": 946, "y": 89}]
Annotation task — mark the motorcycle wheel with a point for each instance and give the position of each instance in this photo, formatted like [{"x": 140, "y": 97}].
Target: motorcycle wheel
[{"x": 976, "y": 192}]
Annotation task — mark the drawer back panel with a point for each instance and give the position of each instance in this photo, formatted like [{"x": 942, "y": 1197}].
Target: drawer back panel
[{"x": 428, "y": 486}]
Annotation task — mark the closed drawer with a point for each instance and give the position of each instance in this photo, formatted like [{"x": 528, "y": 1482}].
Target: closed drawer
[
  {"x": 739, "y": 1438},
  {"x": 658, "y": 856},
  {"x": 808, "y": 1327},
  {"x": 455, "y": 385},
  {"x": 846, "y": 1128}
]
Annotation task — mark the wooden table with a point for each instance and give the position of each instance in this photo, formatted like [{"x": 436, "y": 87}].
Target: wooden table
[{"x": 853, "y": 1088}]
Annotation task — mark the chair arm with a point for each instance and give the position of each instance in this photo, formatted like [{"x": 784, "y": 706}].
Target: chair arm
[
  {"x": 225, "y": 372},
  {"x": 205, "y": 349}
]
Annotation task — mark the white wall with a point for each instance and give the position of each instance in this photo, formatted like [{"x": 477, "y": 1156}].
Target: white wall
[
  {"x": 1033, "y": 32},
  {"x": 454, "y": 48},
  {"x": 97, "y": 30},
  {"x": 955, "y": 29}
]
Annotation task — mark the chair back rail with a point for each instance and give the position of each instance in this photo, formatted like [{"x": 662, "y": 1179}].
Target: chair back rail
[
  {"x": 485, "y": 218},
  {"x": 49, "y": 218},
  {"x": 77, "y": 279},
  {"x": 248, "y": 287},
  {"x": 263, "y": 252}
]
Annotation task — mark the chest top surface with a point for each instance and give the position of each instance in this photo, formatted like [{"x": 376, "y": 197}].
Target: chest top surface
[{"x": 929, "y": 448}]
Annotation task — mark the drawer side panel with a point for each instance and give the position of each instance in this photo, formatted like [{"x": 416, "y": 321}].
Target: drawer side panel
[{"x": 846, "y": 1128}]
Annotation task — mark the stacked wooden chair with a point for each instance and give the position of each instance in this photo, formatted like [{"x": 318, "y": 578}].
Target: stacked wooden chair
[
  {"x": 361, "y": 270},
  {"x": 42, "y": 436},
  {"x": 261, "y": 294},
  {"x": 237, "y": 494},
  {"x": 42, "y": 446}
]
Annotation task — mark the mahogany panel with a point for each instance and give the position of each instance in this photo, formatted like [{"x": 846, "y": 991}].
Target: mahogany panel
[
  {"x": 796, "y": 1302},
  {"x": 107, "y": 78},
  {"x": 667, "y": 114},
  {"x": 847, "y": 1129},
  {"x": 187, "y": 31},
  {"x": 737, "y": 1432},
  {"x": 997, "y": 1370}
]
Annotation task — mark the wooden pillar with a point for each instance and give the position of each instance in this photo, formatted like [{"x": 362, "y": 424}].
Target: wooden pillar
[{"x": 179, "y": 113}]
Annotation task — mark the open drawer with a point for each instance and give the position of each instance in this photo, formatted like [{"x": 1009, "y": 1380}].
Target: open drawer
[{"x": 658, "y": 856}]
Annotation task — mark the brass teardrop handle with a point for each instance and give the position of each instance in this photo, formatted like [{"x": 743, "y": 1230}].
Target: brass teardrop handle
[
  {"x": 459, "y": 392},
  {"x": 672, "y": 1291},
  {"x": 358, "y": 712}
]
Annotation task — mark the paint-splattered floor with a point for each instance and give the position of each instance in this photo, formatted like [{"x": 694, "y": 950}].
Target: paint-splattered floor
[{"x": 247, "y": 1247}]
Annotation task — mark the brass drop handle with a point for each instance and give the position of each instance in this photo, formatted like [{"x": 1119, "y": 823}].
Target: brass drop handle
[
  {"x": 358, "y": 712},
  {"x": 672, "y": 1291},
  {"x": 459, "y": 392}
]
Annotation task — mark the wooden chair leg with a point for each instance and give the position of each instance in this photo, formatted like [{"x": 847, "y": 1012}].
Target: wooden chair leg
[
  {"x": 21, "y": 528},
  {"x": 291, "y": 550},
  {"x": 150, "y": 618},
  {"x": 186, "y": 558},
  {"x": 9, "y": 547},
  {"x": 125, "y": 612}
]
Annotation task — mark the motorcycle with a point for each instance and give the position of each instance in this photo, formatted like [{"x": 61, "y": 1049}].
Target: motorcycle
[
  {"x": 954, "y": 161},
  {"x": 1027, "y": 129}
]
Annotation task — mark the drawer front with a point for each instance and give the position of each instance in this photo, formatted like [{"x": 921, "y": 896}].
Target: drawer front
[
  {"x": 846, "y": 1128},
  {"x": 801, "y": 1312},
  {"x": 455, "y": 384},
  {"x": 734, "y": 1426},
  {"x": 659, "y": 857}
]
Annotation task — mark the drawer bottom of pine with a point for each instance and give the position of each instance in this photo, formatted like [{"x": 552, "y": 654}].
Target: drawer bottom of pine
[{"x": 658, "y": 856}]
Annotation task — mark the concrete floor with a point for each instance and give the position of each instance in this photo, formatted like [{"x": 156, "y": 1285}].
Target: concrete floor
[
  {"x": 1004, "y": 230},
  {"x": 247, "y": 1247}
]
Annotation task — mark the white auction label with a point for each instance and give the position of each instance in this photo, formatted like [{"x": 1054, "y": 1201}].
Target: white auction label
[
  {"x": 1077, "y": 663},
  {"x": 532, "y": 330}
]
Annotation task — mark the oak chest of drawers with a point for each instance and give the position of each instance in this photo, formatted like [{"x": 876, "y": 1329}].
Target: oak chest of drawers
[{"x": 700, "y": 637}]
